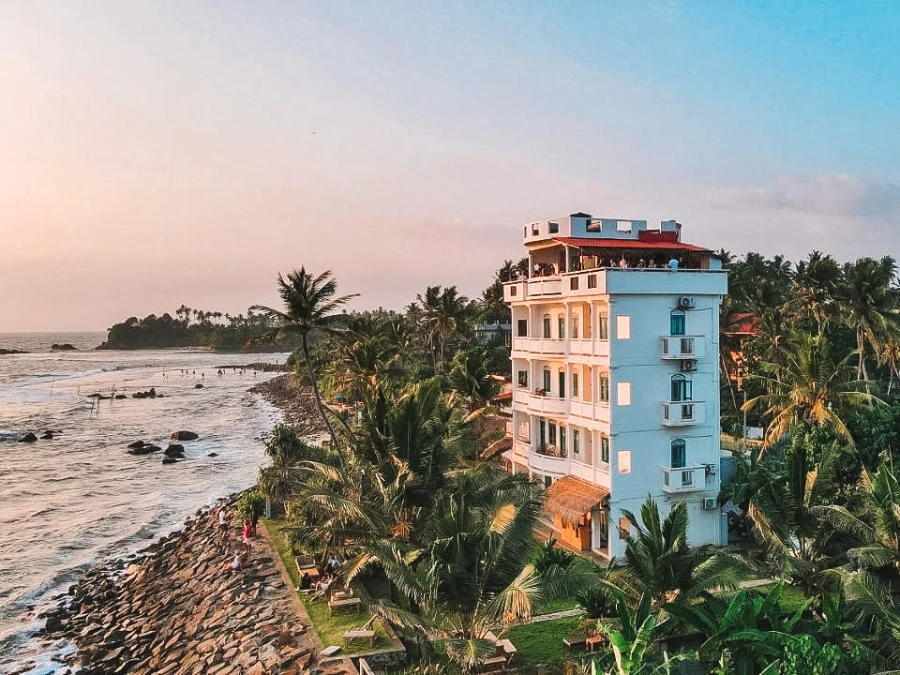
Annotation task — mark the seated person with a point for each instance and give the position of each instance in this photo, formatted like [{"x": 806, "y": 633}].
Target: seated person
[
  {"x": 332, "y": 565},
  {"x": 234, "y": 565},
  {"x": 305, "y": 581}
]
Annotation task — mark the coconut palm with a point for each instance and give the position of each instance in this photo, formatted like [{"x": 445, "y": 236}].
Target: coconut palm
[
  {"x": 868, "y": 305},
  {"x": 874, "y": 523},
  {"x": 444, "y": 313},
  {"x": 281, "y": 480},
  {"x": 660, "y": 563},
  {"x": 815, "y": 282},
  {"x": 470, "y": 576},
  {"x": 309, "y": 304},
  {"x": 807, "y": 386},
  {"x": 470, "y": 376}
]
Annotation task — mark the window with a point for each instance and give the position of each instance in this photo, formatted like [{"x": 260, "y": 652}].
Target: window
[
  {"x": 551, "y": 433},
  {"x": 548, "y": 481},
  {"x": 561, "y": 326},
  {"x": 592, "y": 281},
  {"x": 576, "y": 441},
  {"x": 522, "y": 328},
  {"x": 522, "y": 378},
  {"x": 679, "y": 457},
  {"x": 553, "y": 228},
  {"x": 623, "y": 393},
  {"x": 623, "y": 327},
  {"x": 573, "y": 284},
  {"x": 681, "y": 388},
  {"x": 604, "y": 449},
  {"x": 562, "y": 384},
  {"x": 623, "y": 461},
  {"x": 546, "y": 380},
  {"x": 546, "y": 326},
  {"x": 542, "y": 434},
  {"x": 687, "y": 345},
  {"x": 562, "y": 441},
  {"x": 603, "y": 389},
  {"x": 676, "y": 323},
  {"x": 573, "y": 327},
  {"x": 574, "y": 385},
  {"x": 624, "y": 528},
  {"x": 535, "y": 229},
  {"x": 513, "y": 290},
  {"x": 603, "y": 327}
]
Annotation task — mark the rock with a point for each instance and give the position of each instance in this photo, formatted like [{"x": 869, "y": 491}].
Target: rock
[
  {"x": 28, "y": 438},
  {"x": 99, "y": 397},
  {"x": 144, "y": 450},
  {"x": 185, "y": 436},
  {"x": 53, "y": 625},
  {"x": 198, "y": 386},
  {"x": 174, "y": 450},
  {"x": 139, "y": 394},
  {"x": 64, "y": 347},
  {"x": 169, "y": 460},
  {"x": 4, "y": 352},
  {"x": 119, "y": 397},
  {"x": 136, "y": 444},
  {"x": 47, "y": 436},
  {"x": 213, "y": 454}
]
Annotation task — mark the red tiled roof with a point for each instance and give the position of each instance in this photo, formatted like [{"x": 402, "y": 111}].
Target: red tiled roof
[
  {"x": 585, "y": 242},
  {"x": 745, "y": 323}
]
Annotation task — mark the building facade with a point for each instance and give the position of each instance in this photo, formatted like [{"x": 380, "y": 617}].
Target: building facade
[{"x": 615, "y": 375}]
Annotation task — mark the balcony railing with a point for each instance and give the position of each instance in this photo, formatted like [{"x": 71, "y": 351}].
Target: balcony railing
[
  {"x": 682, "y": 346},
  {"x": 684, "y": 479},
  {"x": 599, "y": 475},
  {"x": 553, "y": 346},
  {"x": 538, "y": 401},
  {"x": 549, "y": 450},
  {"x": 683, "y": 413}
]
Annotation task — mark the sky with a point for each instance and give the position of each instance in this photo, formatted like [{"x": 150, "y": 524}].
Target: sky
[{"x": 160, "y": 153}]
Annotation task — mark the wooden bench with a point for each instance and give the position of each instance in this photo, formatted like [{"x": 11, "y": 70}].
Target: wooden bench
[
  {"x": 576, "y": 639},
  {"x": 306, "y": 564},
  {"x": 352, "y": 603},
  {"x": 359, "y": 634},
  {"x": 592, "y": 641},
  {"x": 494, "y": 664}
]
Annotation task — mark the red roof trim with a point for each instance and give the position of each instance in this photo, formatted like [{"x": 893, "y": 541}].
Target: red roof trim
[{"x": 584, "y": 242}]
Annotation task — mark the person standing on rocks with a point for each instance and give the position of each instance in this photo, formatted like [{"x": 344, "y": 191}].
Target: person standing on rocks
[{"x": 223, "y": 524}]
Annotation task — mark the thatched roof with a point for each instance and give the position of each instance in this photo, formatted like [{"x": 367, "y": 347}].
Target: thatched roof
[
  {"x": 570, "y": 498},
  {"x": 497, "y": 447}
]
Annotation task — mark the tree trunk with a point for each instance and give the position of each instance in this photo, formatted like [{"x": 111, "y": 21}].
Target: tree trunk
[
  {"x": 321, "y": 406},
  {"x": 861, "y": 345}
]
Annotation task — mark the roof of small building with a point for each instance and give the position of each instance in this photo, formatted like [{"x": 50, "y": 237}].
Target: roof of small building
[
  {"x": 651, "y": 245},
  {"x": 571, "y": 497}
]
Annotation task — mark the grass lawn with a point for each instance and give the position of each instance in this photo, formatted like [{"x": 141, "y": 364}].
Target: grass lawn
[
  {"x": 330, "y": 629},
  {"x": 542, "y": 642}
]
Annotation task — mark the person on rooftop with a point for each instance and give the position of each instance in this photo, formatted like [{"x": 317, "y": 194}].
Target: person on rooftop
[
  {"x": 622, "y": 262},
  {"x": 673, "y": 264}
]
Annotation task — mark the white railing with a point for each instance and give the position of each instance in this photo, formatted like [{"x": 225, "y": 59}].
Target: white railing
[
  {"x": 546, "y": 404},
  {"x": 542, "y": 463},
  {"x": 544, "y": 286},
  {"x": 684, "y": 479},
  {"x": 682, "y": 346},
  {"x": 599, "y": 475},
  {"x": 589, "y": 411},
  {"x": 683, "y": 413},
  {"x": 522, "y": 448},
  {"x": 560, "y": 347}
]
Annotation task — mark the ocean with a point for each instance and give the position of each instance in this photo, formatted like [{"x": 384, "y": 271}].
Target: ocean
[{"x": 79, "y": 498}]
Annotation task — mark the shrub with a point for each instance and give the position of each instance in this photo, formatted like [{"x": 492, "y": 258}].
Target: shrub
[
  {"x": 249, "y": 502},
  {"x": 596, "y": 601}
]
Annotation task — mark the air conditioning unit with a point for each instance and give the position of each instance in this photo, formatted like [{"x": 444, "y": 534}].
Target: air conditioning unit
[
  {"x": 709, "y": 503},
  {"x": 688, "y": 365},
  {"x": 710, "y": 469},
  {"x": 685, "y": 302}
]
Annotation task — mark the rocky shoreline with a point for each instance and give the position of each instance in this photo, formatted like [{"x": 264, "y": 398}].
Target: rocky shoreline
[
  {"x": 297, "y": 402},
  {"x": 174, "y": 609}
]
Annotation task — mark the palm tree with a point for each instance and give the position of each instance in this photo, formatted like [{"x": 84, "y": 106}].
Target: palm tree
[
  {"x": 660, "y": 563},
  {"x": 470, "y": 576},
  {"x": 470, "y": 376},
  {"x": 309, "y": 303},
  {"x": 632, "y": 641},
  {"x": 815, "y": 282},
  {"x": 875, "y": 522},
  {"x": 808, "y": 387},
  {"x": 281, "y": 480},
  {"x": 444, "y": 313},
  {"x": 868, "y": 304}
]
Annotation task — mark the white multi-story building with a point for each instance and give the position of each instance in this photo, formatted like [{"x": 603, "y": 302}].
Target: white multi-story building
[{"x": 615, "y": 375}]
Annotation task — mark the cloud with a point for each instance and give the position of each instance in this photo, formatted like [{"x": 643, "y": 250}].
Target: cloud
[{"x": 836, "y": 195}]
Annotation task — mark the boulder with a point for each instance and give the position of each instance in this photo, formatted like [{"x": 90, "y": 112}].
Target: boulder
[
  {"x": 136, "y": 444},
  {"x": 169, "y": 460},
  {"x": 139, "y": 394},
  {"x": 64, "y": 347},
  {"x": 213, "y": 454},
  {"x": 144, "y": 450},
  {"x": 28, "y": 438},
  {"x": 185, "y": 436},
  {"x": 174, "y": 450},
  {"x": 48, "y": 436},
  {"x": 119, "y": 397},
  {"x": 3, "y": 352},
  {"x": 198, "y": 386}
]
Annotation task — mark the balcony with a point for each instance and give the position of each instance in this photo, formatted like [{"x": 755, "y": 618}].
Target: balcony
[
  {"x": 542, "y": 459},
  {"x": 542, "y": 403},
  {"x": 539, "y": 345},
  {"x": 521, "y": 449},
  {"x": 599, "y": 475},
  {"x": 543, "y": 286},
  {"x": 682, "y": 346},
  {"x": 683, "y": 413},
  {"x": 684, "y": 479},
  {"x": 590, "y": 411}
]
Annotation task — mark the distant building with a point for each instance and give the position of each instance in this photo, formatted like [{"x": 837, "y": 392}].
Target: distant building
[
  {"x": 615, "y": 375},
  {"x": 498, "y": 332}
]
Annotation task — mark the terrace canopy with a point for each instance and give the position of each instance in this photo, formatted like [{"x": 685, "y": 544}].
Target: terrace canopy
[{"x": 570, "y": 498}]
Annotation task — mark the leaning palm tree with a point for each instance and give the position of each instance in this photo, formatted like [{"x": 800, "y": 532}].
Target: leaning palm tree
[
  {"x": 868, "y": 304},
  {"x": 309, "y": 304},
  {"x": 807, "y": 386}
]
